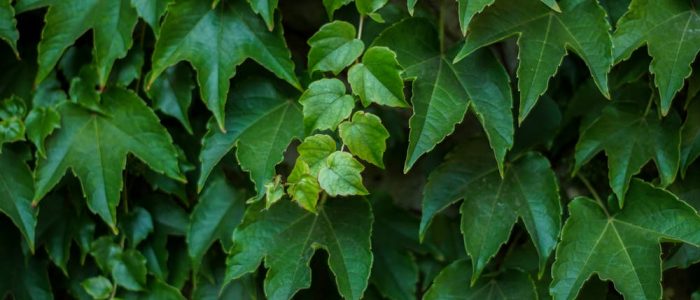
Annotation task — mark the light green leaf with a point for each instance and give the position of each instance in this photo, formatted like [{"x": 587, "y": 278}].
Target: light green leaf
[
  {"x": 443, "y": 91},
  {"x": 492, "y": 205},
  {"x": 12, "y": 128},
  {"x": 273, "y": 191},
  {"x": 592, "y": 239},
  {"x": 315, "y": 150},
  {"x": 366, "y": 137},
  {"x": 668, "y": 28},
  {"x": 333, "y": 5},
  {"x": 8, "y": 24},
  {"x": 287, "y": 236},
  {"x": 377, "y": 79},
  {"x": 16, "y": 191},
  {"x": 453, "y": 283},
  {"x": 266, "y": 9},
  {"x": 97, "y": 287},
  {"x": 325, "y": 104},
  {"x": 334, "y": 47},
  {"x": 340, "y": 176},
  {"x": 544, "y": 36},
  {"x": 367, "y": 7},
  {"x": 172, "y": 94},
  {"x": 151, "y": 11},
  {"x": 95, "y": 146},
  {"x": 215, "y": 41},
  {"x": 219, "y": 210},
  {"x": 631, "y": 138},
  {"x": 259, "y": 108},
  {"x": 690, "y": 137},
  {"x": 303, "y": 186}
]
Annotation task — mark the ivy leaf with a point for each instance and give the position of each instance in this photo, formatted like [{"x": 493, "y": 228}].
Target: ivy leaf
[
  {"x": 112, "y": 24},
  {"x": 259, "y": 108},
  {"x": 492, "y": 205},
  {"x": 341, "y": 227},
  {"x": 442, "y": 92},
  {"x": 334, "y": 47},
  {"x": 366, "y": 137},
  {"x": 325, "y": 104},
  {"x": 340, "y": 176},
  {"x": 333, "y": 5},
  {"x": 16, "y": 191},
  {"x": 12, "y": 128},
  {"x": 266, "y": 9},
  {"x": 303, "y": 186},
  {"x": 172, "y": 94},
  {"x": 469, "y": 8},
  {"x": 97, "y": 287},
  {"x": 215, "y": 41},
  {"x": 127, "y": 267},
  {"x": 591, "y": 239},
  {"x": 273, "y": 191},
  {"x": 377, "y": 79},
  {"x": 218, "y": 212},
  {"x": 544, "y": 37},
  {"x": 668, "y": 29},
  {"x": 95, "y": 146},
  {"x": 28, "y": 278},
  {"x": 8, "y": 25},
  {"x": 314, "y": 151},
  {"x": 453, "y": 283},
  {"x": 690, "y": 137},
  {"x": 645, "y": 138},
  {"x": 367, "y": 7},
  {"x": 151, "y": 11},
  {"x": 137, "y": 225},
  {"x": 41, "y": 122}
]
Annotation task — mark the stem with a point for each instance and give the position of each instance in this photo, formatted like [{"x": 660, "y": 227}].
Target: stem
[
  {"x": 360, "y": 26},
  {"x": 648, "y": 108},
  {"x": 593, "y": 193}
]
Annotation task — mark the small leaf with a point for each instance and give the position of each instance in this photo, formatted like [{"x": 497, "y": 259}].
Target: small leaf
[
  {"x": 151, "y": 11},
  {"x": 41, "y": 122},
  {"x": 377, "y": 79},
  {"x": 314, "y": 151},
  {"x": 690, "y": 137},
  {"x": 303, "y": 186},
  {"x": 273, "y": 191},
  {"x": 325, "y": 104},
  {"x": 334, "y": 47},
  {"x": 97, "y": 287},
  {"x": 340, "y": 176},
  {"x": 130, "y": 270},
  {"x": 367, "y": 7},
  {"x": 137, "y": 225},
  {"x": 453, "y": 283},
  {"x": 366, "y": 137}
]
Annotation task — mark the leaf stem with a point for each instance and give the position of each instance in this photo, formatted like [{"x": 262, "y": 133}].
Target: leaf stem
[
  {"x": 360, "y": 25},
  {"x": 593, "y": 192},
  {"x": 648, "y": 108}
]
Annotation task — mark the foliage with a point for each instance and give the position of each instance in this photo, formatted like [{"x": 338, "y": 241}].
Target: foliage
[{"x": 366, "y": 149}]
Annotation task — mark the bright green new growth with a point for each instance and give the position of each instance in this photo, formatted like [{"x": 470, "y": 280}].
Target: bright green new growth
[
  {"x": 334, "y": 47},
  {"x": 315, "y": 150},
  {"x": 325, "y": 104},
  {"x": 366, "y": 137},
  {"x": 340, "y": 175},
  {"x": 378, "y": 78}
]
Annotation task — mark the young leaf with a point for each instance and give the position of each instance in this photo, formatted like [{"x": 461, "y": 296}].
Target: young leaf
[
  {"x": 8, "y": 30},
  {"x": 259, "y": 108},
  {"x": 492, "y": 205},
  {"x": 366, "y": 137},
  {"x": 367, "y": 7},
  {"x": 112, "y": 24},
  {"x": 215, "y": 41},
  {"x": 303, "y": 186},
  {"x": 41, "y": 122},
  {"x": 378, "y": 78},
  {"x": 325, "y": 104},
  {"x": 340, "y": 176},
  {"x": 266, "y": 9},
  {"x": 315, "y": 150},
  {"x": 630, "y": 138},
  {"x": 334, "y": 47},
  {"x": 442, "y": 92},
  {"x": 97, "y": 287},
  {"x": 333, "y": 5},
  {"x": 95, "y": 146},
  {"x": 151, "y": 11},
  {"x": 592, "y": 239},
  {"x": 544, "y": 36},
  {"x": 668, "y": 28},
  {"x": 16, "y": 192},
  {"x": 287, "y": 236},
  {"x": 127, "y": 267},
  {"x": 453, "y": 283},
  {"x": 690, "y": 137}
]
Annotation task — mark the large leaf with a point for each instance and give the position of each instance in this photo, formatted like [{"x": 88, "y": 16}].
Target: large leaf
[
  {"x": 528, "y": 191},
  {"x": 8, "y": 32},
  {"x": 16, "y": 192},
  {"x": 544, "y": 36},
  {"x": 468, "y": 8},
  {"x": 95, "y": 147},
  {"x": 668, "y": 28},
  {"x": 631, "y": 137},
  {"x": 442, "y": 92},
  {"x": 216, "y": 41},
  {"x": 287, "y": 236},
  {"x": 259, "y": 108},
  {"x": 112, "y": 24},
  {"x": 592, "y": 240}
]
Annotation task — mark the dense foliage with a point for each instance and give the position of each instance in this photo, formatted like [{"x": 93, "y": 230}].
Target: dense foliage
[{"x": 231, "y": 149}]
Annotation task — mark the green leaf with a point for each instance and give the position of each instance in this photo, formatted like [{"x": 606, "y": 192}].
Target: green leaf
[
  {"x": 314, "y": 151},
  {"x": 325, "y": 104},
  {"x": 334, "y": 47},
  {"x": 41, "y": 122},
  {"x": 544, "y": 36},
  {"x": 340, "y": 176},
  {"x": 630, "y": 138},
  {"x": 97, "y": 287},
  {"x": 591, "y": 239},
  {"x": 366, "y": 137},
  {"x": 377, "y": 79},
  {"x": 12, "y": 128},
  {"x": 24, "y": 277},
  {"x": 453, "y": 283},
  {"x": 333, "y": 5},
  {"x": 442, "y": 92},
  {"x": 492, "y": 205},
  {"x": 367, "y": 7},
  {"x": 668, "y": 29},
  {"x": 127, "y": 267},
  {"x": 112, "y": 24},
  {"x": 160, "y": 290},
  {"x": 8, "y": 30},
  {"x": 469, "y": 8},
  {"x": 95, "y": 146},
  {"x": 219, "y": 210},
  {"x": 16, "y": 191},
  {"x": 259, "y": 108},
  {"x": 172, "y": 94},
  {"x": 137, "y": 225},
  {"x": 303, "y": 186},
  {"x": 287, "y": 236},
  {"x": 266, "y": 9},
  {"x": 151, "y": 11},
  {"x": 273, "y": 191},
  {"x": 690, "y": 137},
  {"x": 215, "y": 41}
]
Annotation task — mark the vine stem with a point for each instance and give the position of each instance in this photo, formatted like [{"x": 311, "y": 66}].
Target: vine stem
[
  {"x": 360, "y": 25},
  {"x": 593, "y": 192}
]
